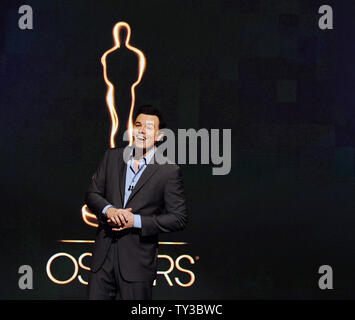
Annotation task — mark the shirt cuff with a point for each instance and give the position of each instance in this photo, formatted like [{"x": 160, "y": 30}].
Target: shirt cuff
[
  {"x": 137, "y": 223},
  {"x": 105, "y": 209}
]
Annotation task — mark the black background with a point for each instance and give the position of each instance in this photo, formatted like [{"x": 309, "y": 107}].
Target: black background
[{"x": 262, "y": 68}]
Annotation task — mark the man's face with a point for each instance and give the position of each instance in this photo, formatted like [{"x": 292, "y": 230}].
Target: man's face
[{"x": 145, "y": 131}]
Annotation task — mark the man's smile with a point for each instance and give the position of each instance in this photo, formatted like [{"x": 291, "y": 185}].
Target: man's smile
[{"x": 141, "y": 138}]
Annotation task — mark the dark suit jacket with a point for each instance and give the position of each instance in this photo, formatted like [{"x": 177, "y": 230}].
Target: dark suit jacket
[{"x": 158, "y": 197}]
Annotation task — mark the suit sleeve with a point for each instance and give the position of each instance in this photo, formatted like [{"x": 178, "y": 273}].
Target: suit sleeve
[
  {"x": 175, "y": 216},
  {"x": 95, "y": 194}
]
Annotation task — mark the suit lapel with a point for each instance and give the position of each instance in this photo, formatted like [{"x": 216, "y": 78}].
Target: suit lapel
[{"x": 122, "y": 178}]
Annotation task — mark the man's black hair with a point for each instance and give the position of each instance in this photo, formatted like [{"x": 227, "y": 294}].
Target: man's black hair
[{"x": 149, "y": 109}]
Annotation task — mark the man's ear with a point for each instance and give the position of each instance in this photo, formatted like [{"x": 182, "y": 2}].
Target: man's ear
[{"x": 160, "y": 135}]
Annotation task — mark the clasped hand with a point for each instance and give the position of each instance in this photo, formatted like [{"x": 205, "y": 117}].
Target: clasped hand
[{"x": 120, "y": 219}]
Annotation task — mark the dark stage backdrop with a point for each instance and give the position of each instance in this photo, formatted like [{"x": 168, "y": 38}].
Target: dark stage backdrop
[{"x": 262, "y": 68}]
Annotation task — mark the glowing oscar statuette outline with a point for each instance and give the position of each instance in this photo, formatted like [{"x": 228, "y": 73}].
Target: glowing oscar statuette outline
[{"x": 110, "y": 95}]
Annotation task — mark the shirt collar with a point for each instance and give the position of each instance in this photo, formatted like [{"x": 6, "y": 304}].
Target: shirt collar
[{"x": 145, "y": 159}]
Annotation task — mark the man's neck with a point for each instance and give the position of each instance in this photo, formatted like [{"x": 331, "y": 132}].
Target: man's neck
[{"x": 144, "y": 153}]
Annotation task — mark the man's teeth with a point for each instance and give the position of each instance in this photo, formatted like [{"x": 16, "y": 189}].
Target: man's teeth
[{"x": 141, "y": 138}]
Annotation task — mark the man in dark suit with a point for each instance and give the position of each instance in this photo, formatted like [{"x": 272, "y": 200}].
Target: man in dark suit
[{"x": 134, "y": 198}]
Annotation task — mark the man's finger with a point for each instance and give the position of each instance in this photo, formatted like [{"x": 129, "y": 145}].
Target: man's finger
[
  {"x": 113, "y": 219},
  {"x": 117, "y": 229},
  {"x": 117, "y": 220},
  {"x": 125, "y": 216},
  {"x": 122, "y": 218}
]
